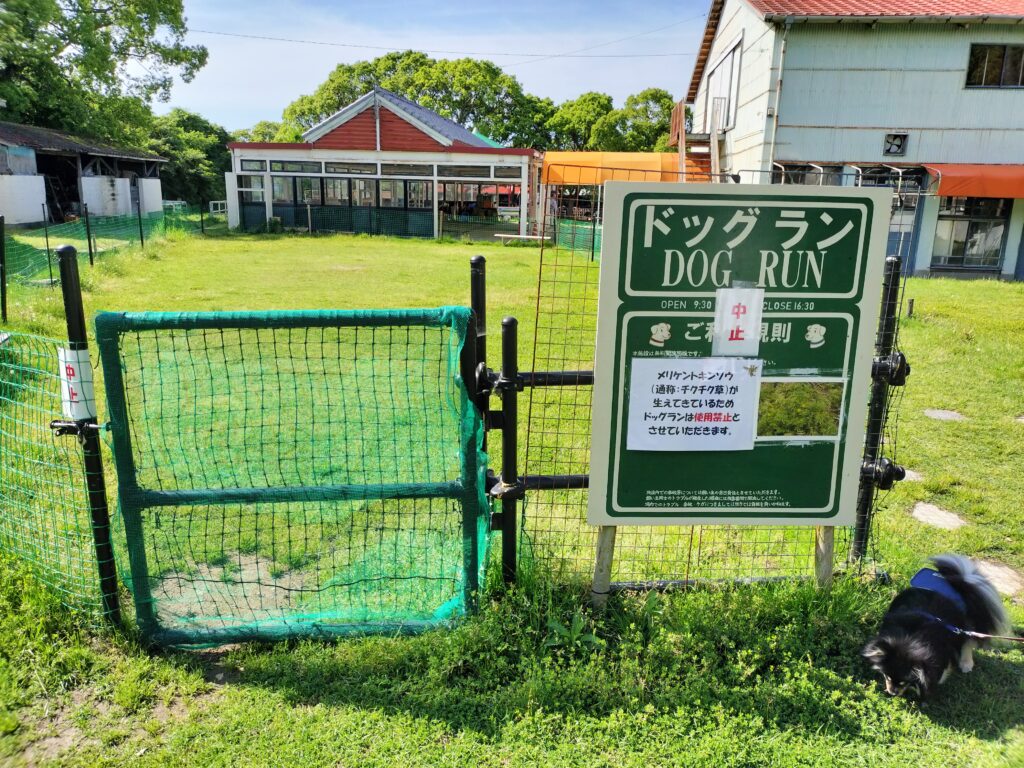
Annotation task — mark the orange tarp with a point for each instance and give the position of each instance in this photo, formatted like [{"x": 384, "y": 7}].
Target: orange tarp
[
  {"x": 589, "y": 168},
  {"x": 975, "y": 180}
]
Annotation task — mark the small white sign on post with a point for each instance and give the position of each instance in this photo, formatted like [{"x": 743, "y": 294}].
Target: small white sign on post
[
  {"x": 77, "y": 393},
  {"x": 737, "y": 322},
  {"x": 693, "y": 404}
]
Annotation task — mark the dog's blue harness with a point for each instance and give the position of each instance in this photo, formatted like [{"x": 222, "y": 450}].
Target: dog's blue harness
[{"x": 933, "y": 581}]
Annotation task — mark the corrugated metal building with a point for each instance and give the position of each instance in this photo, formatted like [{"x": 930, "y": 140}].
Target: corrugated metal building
[
  {"x": 48, "y": 174},
  {"x": 921, "y": 94}
]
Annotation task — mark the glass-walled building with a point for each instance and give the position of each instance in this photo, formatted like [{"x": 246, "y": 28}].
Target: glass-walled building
[{"x": 383, "y": 165}]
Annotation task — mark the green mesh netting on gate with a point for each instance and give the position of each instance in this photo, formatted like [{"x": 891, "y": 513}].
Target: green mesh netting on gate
[{"x": 288, "y": 474}]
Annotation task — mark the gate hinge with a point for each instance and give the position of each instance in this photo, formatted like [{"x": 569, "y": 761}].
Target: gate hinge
[
  {"x": 883, "y": 473},
  {"x": 503, "y": 490},
  {"x": 79, "y": 429},
  {"x": 892, "y": 369},
  {"x": 505, "y": 384}
]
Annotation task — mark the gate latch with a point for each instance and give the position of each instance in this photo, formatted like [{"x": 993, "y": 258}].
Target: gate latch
[{"x": 79, "y": 429}]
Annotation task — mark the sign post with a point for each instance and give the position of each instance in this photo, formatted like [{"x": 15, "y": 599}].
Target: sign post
[{"x": 734, "y": 351}]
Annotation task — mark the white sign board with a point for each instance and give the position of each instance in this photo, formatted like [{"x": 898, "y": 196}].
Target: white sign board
[
  {"x": 77, "y": 395},
  {"x": 737, "y": 322},
  {"x": 693, "y": 404}
]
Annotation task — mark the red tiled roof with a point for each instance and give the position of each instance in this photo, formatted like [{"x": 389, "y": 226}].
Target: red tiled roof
[
  {"x": 890, "y": 8},
  {"x": 857, "y": 10}
]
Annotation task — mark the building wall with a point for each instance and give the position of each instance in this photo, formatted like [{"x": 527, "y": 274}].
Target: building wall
[
  {"x": 846, "y": 85},
  {"x": 1014, "y": 241},
  {"x": 360, "y": 132},
  {"x": 21, "y": 199},
  {"x": 744, "y": 146},
  {"x": 439, "y": 157},
  {"x": 107, "y": 195},
  {"x": 231, "y": 192},
  {"x": 150, "y": 195}
]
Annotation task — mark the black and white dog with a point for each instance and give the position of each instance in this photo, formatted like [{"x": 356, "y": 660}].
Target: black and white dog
[{"x": 922, "y": 633}]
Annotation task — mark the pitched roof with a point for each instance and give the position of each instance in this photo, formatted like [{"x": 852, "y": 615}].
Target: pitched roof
[
  {"x": 45, "y": 139},
  {"x": 446, "y": 131},
  {"x": 862, "y": 11},
  {"x": 887, "y": 9}
]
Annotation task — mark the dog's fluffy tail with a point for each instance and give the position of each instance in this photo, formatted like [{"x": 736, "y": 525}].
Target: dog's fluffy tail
[{"x": 984, "y": 606}]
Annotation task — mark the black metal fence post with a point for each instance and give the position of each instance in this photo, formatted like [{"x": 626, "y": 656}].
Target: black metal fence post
[
  {"x": 509, "y": 443},
  {"x": 142, "y": 236},
  {"x": 887, "y": 370},
  {"x": 478, "y": 303},
  {"x": 89, "y": 435},
  {"x": 470, "y": 522},
  {"x": 202, "y": 219},
  {"x": 46, "y": 238},
  {"x": 3, "y": 270},
  {"x": 88, "y": 232}
]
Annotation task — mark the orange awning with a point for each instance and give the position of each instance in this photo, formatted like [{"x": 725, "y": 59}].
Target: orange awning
[
  {"x": 588, "y": 168},
  {"x": 976, "y": 180}
]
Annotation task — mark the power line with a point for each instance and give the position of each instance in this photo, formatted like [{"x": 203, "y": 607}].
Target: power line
[{"x": 571, "y": 54}]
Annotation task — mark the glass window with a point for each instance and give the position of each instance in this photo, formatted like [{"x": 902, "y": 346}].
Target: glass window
[
  {"x": 970, "y": 231},
  {"x": 307, "y": 190},
  {"x": 254, "y": 165},
  {"x": 406, "y": 169},
  {"x": 336, "y": 192},
  {"x": 508, "y": 172},
  {"x": 722, "y": 90},
  {"x": 364, "y": 192},
  {"x": 251, "y": 189},
  {"x": 295, "y": 166},
  {"x": 283, "y": 189},
  {"x": 392, "y": 194},
  {"x": 996, "y": 66},
  {"x": 481, "y": 171},
  {"x": 351, "y": 168},
  {"x": 419, "y": 194}
]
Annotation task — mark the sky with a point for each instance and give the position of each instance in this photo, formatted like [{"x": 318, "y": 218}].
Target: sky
[{"x": 247, "y": 80}]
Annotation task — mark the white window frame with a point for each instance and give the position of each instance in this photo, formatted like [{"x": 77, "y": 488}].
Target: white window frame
[{"x": 733, "y": 50}]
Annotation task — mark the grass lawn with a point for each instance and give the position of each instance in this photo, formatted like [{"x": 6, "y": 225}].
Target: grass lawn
[{"x": 744, "y": 676}]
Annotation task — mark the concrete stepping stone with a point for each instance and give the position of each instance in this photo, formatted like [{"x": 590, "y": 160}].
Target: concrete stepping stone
[
  {"x": 1003, "y": 577},
  {"x": 929, "y": 514},
  {"x": 912, "y": 476},
  {"x": 1020, "y": 419},
  {"x": 942, "y": 415}
]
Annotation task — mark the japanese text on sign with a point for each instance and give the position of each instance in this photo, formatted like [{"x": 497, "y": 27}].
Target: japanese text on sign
[
  {"x": 78, "y": 399},
  {"x": 693, "y": 404}
]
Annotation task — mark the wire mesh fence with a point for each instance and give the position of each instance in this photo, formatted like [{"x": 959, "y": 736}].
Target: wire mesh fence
[
  {"x": 45, "y": 518},
  {"x": 295, "y": 473},
  {"x": 31, "y": 253},
  {"x": 555, "y": 530}
]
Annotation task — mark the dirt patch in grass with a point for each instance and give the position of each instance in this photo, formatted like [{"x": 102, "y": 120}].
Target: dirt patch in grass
[{"x": 246, "y": 587}]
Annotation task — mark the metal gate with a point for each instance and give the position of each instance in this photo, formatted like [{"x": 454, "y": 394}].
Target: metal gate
[{"x": 287, "y": 474}]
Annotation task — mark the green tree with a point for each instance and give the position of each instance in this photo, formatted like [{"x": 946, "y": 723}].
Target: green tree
[
  {"x": 347, "y": 82},
  {"x": 197, "y": 155},
  {"x": 572, "y": 123},
  {"x": 474, "y": 93},
  {"x": 264, "y": 130},
  {"x": 638, "y": 126},
  {"x": 91, "y": 68}
]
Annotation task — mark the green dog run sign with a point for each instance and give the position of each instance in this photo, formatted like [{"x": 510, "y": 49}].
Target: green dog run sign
[{"x": 734, "y": 347}]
